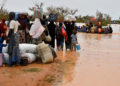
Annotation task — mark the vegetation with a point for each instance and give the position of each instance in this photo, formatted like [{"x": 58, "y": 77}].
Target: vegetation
[
  {"x": 3, "y": 12},
  {"x": 31, "y": 70},
  {"x": 61, "y": 12},
  {"x": 104, "y": 18}
]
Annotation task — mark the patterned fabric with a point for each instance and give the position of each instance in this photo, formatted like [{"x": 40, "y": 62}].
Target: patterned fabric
[
  {"x": 22, "y": 38},
  {"x": 13, "y": 49}
]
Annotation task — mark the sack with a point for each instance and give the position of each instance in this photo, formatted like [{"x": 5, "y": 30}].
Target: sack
[
  {"x": 44, "y": 52},
  {"x": 64, "y": 32},
  {"x": 48, "y": 38},
  {"x": 27, "y": 48},
  {"x": 24, "y": 48}
]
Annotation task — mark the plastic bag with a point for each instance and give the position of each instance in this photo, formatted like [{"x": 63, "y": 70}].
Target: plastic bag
[
  {"x": 64, "y": 32},
  {"x": 48, "y": 38},
  {"x": 36, "y": 29}
]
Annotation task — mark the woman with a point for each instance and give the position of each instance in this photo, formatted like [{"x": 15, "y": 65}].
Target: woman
[
  {"x": 60, "y": 37},
  {"x": 51, "y": 29},
  {"x": 69, "y": 33},
  {"x": 3, "y": 29},
  {"x": 13, "y": 40},
  {"x": 22, "y": 28}
]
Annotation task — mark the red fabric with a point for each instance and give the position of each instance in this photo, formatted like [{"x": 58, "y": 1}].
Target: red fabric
[
  {"x": 3, "y": 28},
  {"x": 99, "y": 30},
  {"x": 99, "y": 24},
  {"x": 93, "y": 18}
]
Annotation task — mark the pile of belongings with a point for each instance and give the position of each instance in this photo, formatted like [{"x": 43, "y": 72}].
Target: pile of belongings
[{"x": 29, "y": 53}]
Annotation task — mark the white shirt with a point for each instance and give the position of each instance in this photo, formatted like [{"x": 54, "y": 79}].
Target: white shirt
[
  {"x": 17, "y": 24},
  {"x": 14, "y": 25}
]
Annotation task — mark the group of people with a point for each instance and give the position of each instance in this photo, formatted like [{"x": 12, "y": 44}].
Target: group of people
[{"x": 20, "y": 30}]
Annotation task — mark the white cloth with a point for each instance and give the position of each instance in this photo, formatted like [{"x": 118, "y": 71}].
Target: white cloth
[
  {"x": 17, "y": 24},
  {"x": 36, "y": 29},
  {"x": 12, "y": 24}
]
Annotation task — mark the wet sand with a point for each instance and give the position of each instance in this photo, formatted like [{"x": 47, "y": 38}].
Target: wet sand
[
  {"x": 34, "y": 74},
  {"x": 99, "y": 61}
]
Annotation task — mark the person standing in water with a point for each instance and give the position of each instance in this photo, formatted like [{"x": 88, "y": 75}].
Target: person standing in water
[{"x": 13, "y": 40}]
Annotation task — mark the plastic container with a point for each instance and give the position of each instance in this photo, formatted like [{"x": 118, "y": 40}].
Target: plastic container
[{"x": 78, "y": 47}]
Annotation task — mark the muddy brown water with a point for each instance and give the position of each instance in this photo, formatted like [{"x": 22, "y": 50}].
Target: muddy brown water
[{"x": 99, "y": 60}]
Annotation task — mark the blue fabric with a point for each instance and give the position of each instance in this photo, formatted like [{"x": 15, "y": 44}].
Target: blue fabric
[
  {"x": 1, "y": 45},
  {"x": 14, "y": 49}
]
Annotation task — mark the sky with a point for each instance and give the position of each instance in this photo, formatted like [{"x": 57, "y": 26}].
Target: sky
[{"x": 85, "y": 7}]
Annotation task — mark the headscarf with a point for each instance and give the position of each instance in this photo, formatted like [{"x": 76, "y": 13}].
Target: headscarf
[
  {"x": 3, "y": 20},
  {"x": 11, "y": 17}
]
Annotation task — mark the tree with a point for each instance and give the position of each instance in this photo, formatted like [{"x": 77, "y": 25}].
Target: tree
[
  {"x": 3, "y": 12},
  {"x": 99, "y": 16},
  {"x": 61, "y": 11}
]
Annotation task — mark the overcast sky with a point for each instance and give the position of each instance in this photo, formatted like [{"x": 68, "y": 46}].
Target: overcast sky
[{"x": 84, "y": 6}]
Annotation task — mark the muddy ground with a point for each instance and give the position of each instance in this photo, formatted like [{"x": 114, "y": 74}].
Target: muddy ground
[{"x": 39, "y": 74}]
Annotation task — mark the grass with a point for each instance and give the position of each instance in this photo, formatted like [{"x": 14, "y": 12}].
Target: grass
[{"x": 31, "y": 70}]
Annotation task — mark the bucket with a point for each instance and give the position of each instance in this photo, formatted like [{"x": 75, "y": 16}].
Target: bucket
[{"x": 78, "y": 47}]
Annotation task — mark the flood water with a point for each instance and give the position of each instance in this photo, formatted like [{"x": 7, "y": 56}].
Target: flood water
[{"x": 99, "y": 60}]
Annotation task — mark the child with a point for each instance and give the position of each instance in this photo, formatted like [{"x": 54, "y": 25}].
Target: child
[
  {"x": 1, "y": 46},
  {"x": 74, "y": 40}
]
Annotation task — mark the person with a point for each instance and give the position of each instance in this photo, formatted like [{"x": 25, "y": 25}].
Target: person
[
  {"x": 110, "y": 29},
  {"x": 36, "y": 29},
  {"x": 1, "y": 55},
  {"x": 99, "y": 24},
  {"x": 22, "y": 28},
  {"x": 59, "y": 37},
  {"x": 3, "y": 30},
  {"x": 51, "y": 29},
  {"x": 13, "y": 40},
  {"x": 69, "y": 33},
  {"x": 74, "y": 40},
  {"x": 28, "y": 25},
  {"x": 90, "y": 26}
]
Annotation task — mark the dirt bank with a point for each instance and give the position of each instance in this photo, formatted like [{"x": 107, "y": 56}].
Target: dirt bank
[{"x": 39, "y": 74}]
